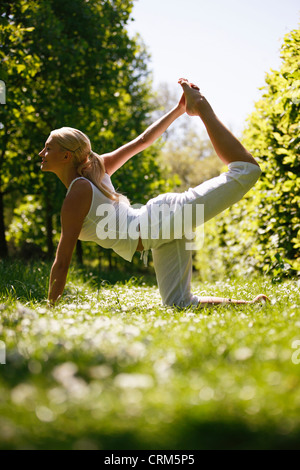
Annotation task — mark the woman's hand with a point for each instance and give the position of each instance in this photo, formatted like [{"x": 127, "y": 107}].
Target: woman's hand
[{"x": 53, "y": 303}]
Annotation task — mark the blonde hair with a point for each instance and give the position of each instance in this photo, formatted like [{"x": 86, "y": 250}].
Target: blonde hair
[{"x": 87, "y": 163}]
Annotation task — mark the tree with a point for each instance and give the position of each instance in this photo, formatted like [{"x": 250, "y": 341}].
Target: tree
[
  {"x": 18, "y": 69},
  {"x": 69, "y": 63},
  {"x": 263, "y": 230},
  {"x": 191, "y": 156},
  {"x": 274, "y": 138}
]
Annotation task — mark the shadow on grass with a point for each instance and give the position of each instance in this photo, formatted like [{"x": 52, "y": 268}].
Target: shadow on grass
[
  {"x": 28, "y": 280},
  {"x": 184, "y": 434}
]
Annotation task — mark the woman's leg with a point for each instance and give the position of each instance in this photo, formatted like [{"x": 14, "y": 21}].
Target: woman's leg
[
  {"x": 172, "y": 261},
  {"x": 183, "y": 212},
  {"x": 173, "y": 268}
]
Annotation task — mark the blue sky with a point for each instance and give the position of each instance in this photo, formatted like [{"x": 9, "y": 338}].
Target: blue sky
[{"x": 225, "y": 46}]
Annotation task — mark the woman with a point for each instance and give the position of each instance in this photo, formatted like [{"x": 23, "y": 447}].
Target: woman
[{"x": 68, "y": 154}]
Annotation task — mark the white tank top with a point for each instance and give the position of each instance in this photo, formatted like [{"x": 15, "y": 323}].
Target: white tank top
[{"x": 109, "y": 223}]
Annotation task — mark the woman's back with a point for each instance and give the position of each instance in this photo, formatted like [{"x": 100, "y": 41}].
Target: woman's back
[{"x": 111, "y": 224}]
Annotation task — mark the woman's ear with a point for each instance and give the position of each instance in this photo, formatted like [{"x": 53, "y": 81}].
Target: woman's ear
[{"x": 68, "y": 156}]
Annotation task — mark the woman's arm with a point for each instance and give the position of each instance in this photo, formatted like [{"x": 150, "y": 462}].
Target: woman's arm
[
  {"x": 74, "y": 209},
  {"x": 114, "y": 160}
]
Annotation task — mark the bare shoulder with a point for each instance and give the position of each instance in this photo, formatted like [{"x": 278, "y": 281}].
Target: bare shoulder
[{"x": 79, "y": 199}]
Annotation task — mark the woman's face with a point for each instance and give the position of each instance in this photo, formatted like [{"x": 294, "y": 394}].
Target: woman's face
[{"x": 53, "y": 156}]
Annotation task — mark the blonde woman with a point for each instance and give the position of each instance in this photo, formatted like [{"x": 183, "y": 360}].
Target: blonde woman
[{"x": 91, "y": 196}]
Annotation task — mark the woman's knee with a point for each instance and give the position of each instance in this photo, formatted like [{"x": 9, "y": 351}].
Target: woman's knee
[{"x": 253, "y": 172}]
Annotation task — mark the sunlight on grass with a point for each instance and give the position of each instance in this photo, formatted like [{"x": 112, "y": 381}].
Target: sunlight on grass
[{"x": 109, "y": 367}]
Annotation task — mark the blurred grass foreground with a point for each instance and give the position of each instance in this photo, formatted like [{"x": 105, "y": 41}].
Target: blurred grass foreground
[{"x": 110, "y": 368}]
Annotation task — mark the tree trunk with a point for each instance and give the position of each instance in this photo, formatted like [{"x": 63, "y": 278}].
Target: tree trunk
[
  {"x": 3, "y": 244},
  {"x": 49, "y": 231},
  {"x": 100, "y": 258},
  {"x": 79, "y": 252},
  {"x": 109, "y": 260}
]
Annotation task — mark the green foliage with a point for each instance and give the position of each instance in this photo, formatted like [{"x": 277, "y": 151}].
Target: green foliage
[
  {"x": 187, "y": 156},
  {"x": 27, "y": 228},
  {"x": 110, "y": 368},
  {"x": 263, "y": 230},
  {"x": 191, "y": 157},
  {"x": 71, "y": 63}
]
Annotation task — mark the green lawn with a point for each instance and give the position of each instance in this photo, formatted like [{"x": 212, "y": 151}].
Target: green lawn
[{"x": 110, "y": 368}]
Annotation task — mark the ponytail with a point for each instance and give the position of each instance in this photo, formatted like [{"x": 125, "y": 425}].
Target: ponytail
[
  {"x": 93, "y": 169},
  {"x": 88, "y": 164}
]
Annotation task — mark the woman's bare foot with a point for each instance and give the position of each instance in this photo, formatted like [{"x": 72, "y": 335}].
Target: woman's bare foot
[
  {"x": 193, "y": 97},
  {"x": 260, "y": 298}
]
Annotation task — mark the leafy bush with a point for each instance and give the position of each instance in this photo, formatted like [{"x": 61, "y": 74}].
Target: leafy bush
[{"x": 263, "y": 230}]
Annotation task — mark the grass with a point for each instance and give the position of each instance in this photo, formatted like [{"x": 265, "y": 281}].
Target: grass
[{"x": 110, "y": 368}]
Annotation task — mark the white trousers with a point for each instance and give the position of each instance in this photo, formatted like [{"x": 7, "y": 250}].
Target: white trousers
[{"x": 172, "y": 261}]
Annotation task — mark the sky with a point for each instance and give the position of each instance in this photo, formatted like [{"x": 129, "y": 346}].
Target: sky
[{"x": 226, "y": 47}]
